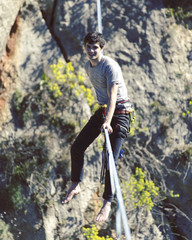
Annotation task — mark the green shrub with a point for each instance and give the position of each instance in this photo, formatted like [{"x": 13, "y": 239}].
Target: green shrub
[
  {"x": 5, "y": 234},
  {"x": 11, "y": 198},
  {"x": 141, "y": 191},
  {"x": 187, "y": 113},
  {"x": 19, "y": 159},
  {"x": 92, "y": 234},
  {"x": 137, "y": 126},
  {"x": 17, "y": 100},
  {"x": 180, "y": 11},
  {"x": 65, "y": 79},
  {"x": 47, "y": 103},
  {"x": 21, "y": 156}
]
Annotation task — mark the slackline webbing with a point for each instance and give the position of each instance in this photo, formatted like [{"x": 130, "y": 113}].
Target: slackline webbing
[{"x": 121, "y": 212}]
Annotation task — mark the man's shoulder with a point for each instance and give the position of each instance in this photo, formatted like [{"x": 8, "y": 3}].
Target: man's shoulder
[
  {"x": 110, "y": 62},
  {"x": 107, "y": 58}
]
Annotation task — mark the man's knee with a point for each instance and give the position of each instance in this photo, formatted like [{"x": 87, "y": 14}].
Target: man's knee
[
  {"x": 77, "y": 150},
  {"x": 74, "y": 148}
]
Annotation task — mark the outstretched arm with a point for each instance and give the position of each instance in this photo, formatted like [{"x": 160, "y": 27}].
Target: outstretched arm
[{"x": 112, "y": 98}]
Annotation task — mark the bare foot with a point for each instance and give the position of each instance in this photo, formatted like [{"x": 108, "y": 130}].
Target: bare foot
[
  {"x": 73, "y": 190},
  {"x": 104, "y": 212}
]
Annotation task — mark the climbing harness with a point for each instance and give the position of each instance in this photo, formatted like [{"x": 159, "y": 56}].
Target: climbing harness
[{"x": 128, "y": 110}]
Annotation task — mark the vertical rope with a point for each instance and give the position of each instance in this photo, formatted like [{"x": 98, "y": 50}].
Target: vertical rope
[{"x": 99, "y": 18}]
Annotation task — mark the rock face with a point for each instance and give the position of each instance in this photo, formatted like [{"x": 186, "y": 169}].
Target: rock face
[{"x": 154, "y": 51}]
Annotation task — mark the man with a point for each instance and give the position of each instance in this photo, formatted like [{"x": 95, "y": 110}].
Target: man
[{"x": 106, "y": 76}]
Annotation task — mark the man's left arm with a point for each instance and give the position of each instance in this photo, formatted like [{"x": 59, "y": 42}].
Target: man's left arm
[{"x": 112, "y": 98}]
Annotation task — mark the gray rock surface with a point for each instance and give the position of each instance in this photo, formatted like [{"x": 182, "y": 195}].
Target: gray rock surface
[
  {"x": 156, "y": 58},
  {"x": 7, "y": 20}
]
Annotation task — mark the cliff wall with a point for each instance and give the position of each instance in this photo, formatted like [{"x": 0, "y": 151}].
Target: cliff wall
[{"x": 152, "y": 41}]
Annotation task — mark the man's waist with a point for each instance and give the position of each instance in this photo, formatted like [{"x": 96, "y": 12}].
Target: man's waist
[
  {"x": 117, "y": 103},
  {"x": 117, "y": 112},
  {"x": 120, "y": 108},
  {"x": 123, "y": 101}
]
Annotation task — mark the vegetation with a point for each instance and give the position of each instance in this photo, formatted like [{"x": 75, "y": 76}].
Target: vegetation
[
  {"x": 21, "y": 156},
  {"x": 141, "y": 191},
  {"x": 19, "y": 159},
  {"x": 187, "y": 113},
  {"x": 92, "y": 234},
  {"x": 25, "y": 161},
  {"x": 179, "y": 14},
  {"x": 180, "y": 10},
  {"x": 189, "y": 153},
  {"x": 51, "y": 99},
  {"x": 24, "y": 157},
  {"x": 4, "y": 231},
  {"x": 137, "y": 126},
  {"x": 65, "y": 79}
]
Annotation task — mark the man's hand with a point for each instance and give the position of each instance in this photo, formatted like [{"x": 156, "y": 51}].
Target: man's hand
[
  {"x": 111, "y": 104},
  {"x": 107, "y": 126}
]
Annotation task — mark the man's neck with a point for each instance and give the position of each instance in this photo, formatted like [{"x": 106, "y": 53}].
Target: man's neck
[{"x": 95, "y": 62}]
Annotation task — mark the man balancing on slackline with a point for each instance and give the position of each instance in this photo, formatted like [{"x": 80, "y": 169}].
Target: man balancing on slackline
[{"x": 106, "y": 76}]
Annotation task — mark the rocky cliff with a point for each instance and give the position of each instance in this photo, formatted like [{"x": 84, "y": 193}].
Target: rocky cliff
[{"x": 152, "y": 41}]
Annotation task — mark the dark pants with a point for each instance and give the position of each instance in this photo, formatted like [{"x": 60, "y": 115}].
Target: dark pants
[{"x": 120, "y": 125}]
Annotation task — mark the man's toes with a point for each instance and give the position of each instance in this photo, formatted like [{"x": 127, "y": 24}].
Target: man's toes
[
  {"x": 70, "y": 195},
  {"x": 68, "y": 198},
  {"x": 101, "y": 217},
  {"x": 103, "y": 214},
  {"x": 65, "y": 200}
]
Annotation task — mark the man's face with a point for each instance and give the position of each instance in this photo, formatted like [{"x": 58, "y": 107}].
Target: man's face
[{"x": 93, "y": 51}]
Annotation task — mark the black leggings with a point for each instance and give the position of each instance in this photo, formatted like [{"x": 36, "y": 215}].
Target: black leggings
[{"x": 120, "y": 124}]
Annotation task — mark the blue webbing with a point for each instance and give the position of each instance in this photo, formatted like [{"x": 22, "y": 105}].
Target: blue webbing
[{"x": 121, "y": 212}]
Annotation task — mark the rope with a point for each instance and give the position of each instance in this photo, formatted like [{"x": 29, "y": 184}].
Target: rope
[
  {"x": 99, "y": 18},
  {"x": 121, "y": 212}
]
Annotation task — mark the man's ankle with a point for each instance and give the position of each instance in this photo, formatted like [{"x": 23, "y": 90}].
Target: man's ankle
[
  {"x": 75, "y": 185},
  {"x": 107, "y": 202}
]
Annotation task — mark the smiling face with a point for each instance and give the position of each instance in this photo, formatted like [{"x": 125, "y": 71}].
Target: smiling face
[{"x": 94, "y": 52}]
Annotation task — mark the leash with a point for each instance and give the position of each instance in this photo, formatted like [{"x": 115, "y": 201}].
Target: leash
[{"x": 115, "y": 186}]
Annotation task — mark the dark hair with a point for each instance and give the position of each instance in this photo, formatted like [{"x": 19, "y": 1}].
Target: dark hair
[{"x": 95, "y": 37}]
